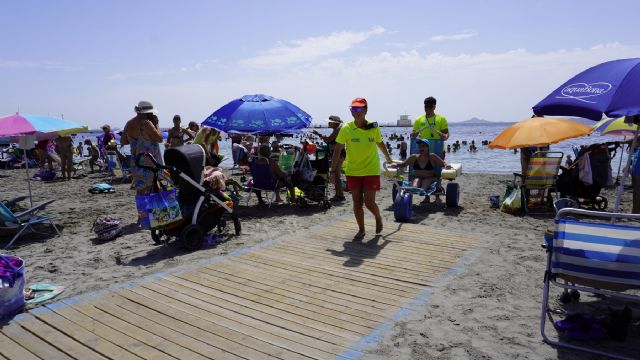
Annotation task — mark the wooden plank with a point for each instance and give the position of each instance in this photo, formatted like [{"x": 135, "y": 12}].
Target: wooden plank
[
  {"x": 325, "y": 289},
  {"x": 376, "y": 277},
  {"x": 171, "y": 331},
  {"x": 149, "y": 338},
  {"x": 300, "y": 343},
  {"x": 392, "y": 250},
  {"x": 373, "y": 261},
  {"x": 37, "y": 346},
  {"x": 271, "y": 284},
  {"x": 12, "y": 350},
  {"x": 127, "y": 342},
  {"x": 317, "y": 285},
  {"x": 210, "y": 332},
  {"x": 284, "y": 319},
  {"x": 57, "y": 339},
  {"x": 418, "y": 233},
  {"x": 195, "y": 282},
  {"x": 205, "y": 279},
  {"x": 83, "y": 336},
  {"x": 326, "y": 274}
]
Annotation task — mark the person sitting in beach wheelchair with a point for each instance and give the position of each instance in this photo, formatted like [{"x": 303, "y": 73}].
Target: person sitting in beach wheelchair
[{"x": 424, "y": 166}]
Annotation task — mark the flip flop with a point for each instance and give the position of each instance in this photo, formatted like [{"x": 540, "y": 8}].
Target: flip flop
[{"x": 42, "y": 292}]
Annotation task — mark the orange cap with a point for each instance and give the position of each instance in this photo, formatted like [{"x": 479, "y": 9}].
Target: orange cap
[{"x": 359, "y": 102}]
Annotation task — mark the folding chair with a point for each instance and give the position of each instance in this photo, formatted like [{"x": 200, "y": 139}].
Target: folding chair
[
  {"x": 541, "y": 176},
  {"x": 23, "y": 220},
  {"x": 600, "y": 258},
  {"x": 263, "y": 180}
]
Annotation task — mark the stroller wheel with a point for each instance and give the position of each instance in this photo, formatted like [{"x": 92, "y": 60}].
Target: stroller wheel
[
  {"x": 156, "y": 236},
  {"x": 192, "y": 237},
  {"x": 236, "y": 223},
  {"x": 600, "y": 203}
]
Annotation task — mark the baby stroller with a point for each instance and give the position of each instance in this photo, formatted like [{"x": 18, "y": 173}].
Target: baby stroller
[
  {"x": 202, "y": 207},
  {"x": 314, "y": 191},
  {"x": 569, "y": 184}
]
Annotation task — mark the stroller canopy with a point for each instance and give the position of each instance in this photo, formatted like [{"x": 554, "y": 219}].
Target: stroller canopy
[{"x": 189, "y": 159}]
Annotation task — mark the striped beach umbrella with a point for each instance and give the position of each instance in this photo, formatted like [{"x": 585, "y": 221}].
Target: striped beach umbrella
[
  {"x": 41, "y": 126},
  {"x": 615, "y": 127}
]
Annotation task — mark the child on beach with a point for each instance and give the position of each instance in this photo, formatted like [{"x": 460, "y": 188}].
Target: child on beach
[{"x": 94, "y": 153}]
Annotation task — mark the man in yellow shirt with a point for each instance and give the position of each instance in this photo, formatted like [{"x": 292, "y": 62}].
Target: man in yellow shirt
[
  {"x": 362, "y": 140},
  {"x": 430, "y": 125}
]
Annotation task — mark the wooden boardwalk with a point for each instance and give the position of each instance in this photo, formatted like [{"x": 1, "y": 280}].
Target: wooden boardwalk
[{"x": 307, "y": 297}]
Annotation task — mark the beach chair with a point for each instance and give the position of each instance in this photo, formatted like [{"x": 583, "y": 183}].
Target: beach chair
[
  {"x": 595, "y": 257},
  {"x": 263, "y": 180},
  {"x": 540, "y": 180},
  {"x": 19, "y": 222}
]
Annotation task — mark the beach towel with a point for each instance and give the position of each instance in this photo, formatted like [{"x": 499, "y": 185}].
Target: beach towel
[
  {"x": 106, "y": 227},
  {"x": 44, "y": 175},
  {"x": 101, "y": 189},
  {"x": 215, "y": 176}
]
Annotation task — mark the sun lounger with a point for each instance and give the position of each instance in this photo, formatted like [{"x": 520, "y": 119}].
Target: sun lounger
[
  {"x": 19, "y": 222},
  {"x": 600, "y": 258}
]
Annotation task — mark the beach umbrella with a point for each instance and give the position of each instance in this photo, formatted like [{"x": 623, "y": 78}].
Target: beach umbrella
[
  {"x": 539, "y": 131},
  {"x": 258, "y": 114},
  {"x": 615, "y": 127},
  {"x": 43, "y": 127},
  {"x": 38, "y": 126},
  {"x": 610, "y": 88}
]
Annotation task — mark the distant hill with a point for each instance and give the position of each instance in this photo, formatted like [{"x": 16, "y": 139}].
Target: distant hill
[{"x": 475, "y": 121}]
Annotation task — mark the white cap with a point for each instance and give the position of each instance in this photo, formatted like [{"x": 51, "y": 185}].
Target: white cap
[{"x": 145, "y": 107}]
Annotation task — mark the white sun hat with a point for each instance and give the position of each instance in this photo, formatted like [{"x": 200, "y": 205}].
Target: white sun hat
[{"x": 145, "y": 107}]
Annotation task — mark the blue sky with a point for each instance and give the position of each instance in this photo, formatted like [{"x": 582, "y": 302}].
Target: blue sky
[{"x": 93, "y": 61}]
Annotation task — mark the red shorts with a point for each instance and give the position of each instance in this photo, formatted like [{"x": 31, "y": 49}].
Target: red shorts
[{"x": 367, "y": 183}]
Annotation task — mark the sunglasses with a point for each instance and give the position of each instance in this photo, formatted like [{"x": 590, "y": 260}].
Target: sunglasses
[{"x": 357, "y": 109}]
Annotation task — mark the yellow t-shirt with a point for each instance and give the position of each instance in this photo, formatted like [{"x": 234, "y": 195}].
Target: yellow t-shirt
[
  {"x": 362, "y": 149},
  {"x": 439, "y": 123}
]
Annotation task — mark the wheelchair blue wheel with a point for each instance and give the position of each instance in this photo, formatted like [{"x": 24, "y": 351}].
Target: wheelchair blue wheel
[
  {"x": 453, "y": 194},
  {"x": 402, "y": 207}
]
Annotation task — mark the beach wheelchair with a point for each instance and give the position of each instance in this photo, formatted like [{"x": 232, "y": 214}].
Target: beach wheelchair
[{"x": 403, "y": 190}]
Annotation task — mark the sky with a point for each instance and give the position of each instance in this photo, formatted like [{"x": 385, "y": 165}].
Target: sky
[{"x": 92, "y": 61}]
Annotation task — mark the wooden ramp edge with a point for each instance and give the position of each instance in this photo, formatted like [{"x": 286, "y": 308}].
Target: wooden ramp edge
[{"x": 320, "y": 295}]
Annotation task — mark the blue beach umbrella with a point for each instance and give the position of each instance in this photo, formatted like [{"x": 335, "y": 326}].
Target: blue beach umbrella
[
  {"x": 610, "y": 88},
  {"x": 258, "y": 114}
]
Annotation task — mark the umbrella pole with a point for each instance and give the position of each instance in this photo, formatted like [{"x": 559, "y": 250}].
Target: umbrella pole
[
  {"x": 625, "y": 173},
  {"x": 621, "y": 156},
  {"x": 26, "y": 167}
]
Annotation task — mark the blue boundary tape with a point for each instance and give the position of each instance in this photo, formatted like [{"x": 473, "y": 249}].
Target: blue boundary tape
[{"x": 356, "y": 351}]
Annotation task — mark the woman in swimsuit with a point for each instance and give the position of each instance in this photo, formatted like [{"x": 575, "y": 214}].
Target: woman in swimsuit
[
  {"x": 424, "y": 167},
  {"x": 175, "y": 135},
  {"x": 143, "y": 135}
]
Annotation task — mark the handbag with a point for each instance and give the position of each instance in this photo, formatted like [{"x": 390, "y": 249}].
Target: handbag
[
  {"x": 512, "y": 203},
  {"x": 106, "y": 227},
  {"x": 158, "y": 208}
]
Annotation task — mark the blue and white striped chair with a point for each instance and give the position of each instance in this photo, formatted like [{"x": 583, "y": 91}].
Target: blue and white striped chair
[{"x": 600, "y": 258}]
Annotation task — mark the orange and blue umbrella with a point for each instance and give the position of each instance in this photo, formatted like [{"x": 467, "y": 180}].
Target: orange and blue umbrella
[
  {"x": 39, "y": 125},
  {"x": 258, "y": 114}
]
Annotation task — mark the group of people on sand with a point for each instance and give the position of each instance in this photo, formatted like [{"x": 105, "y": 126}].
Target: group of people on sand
[{"x": 359, "y": 141}]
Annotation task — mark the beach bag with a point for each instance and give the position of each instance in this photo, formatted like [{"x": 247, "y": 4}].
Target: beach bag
[
  {"x": 286, "y": 161},
  {"x": 158, "y": 208},
  {"x": 307, "y": 173},
  {"x": 513, "y": 201},
  {"x": 106, "y": 227},
  {"x": 11, "y": 285},
  {"x": 584, "y": 164}
]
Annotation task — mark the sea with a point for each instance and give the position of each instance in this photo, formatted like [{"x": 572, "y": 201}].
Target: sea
[{"x": 484, "y": 160}]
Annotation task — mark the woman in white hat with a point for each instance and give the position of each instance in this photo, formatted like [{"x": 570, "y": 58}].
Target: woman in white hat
[
  {"x": 142, "y": 133},
  {"x": 335, "y": 123}
]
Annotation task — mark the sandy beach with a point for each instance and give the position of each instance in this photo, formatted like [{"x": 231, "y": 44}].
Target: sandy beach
[{"x": 490, "y": 310}]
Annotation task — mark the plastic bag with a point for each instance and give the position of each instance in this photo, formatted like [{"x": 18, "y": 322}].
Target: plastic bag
[
  {"x": 157, "y": 209},
  {"x": 11, "y": 285},
  {"x": 512, "y": 202},
  {"x": 307, "y": 173}
]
